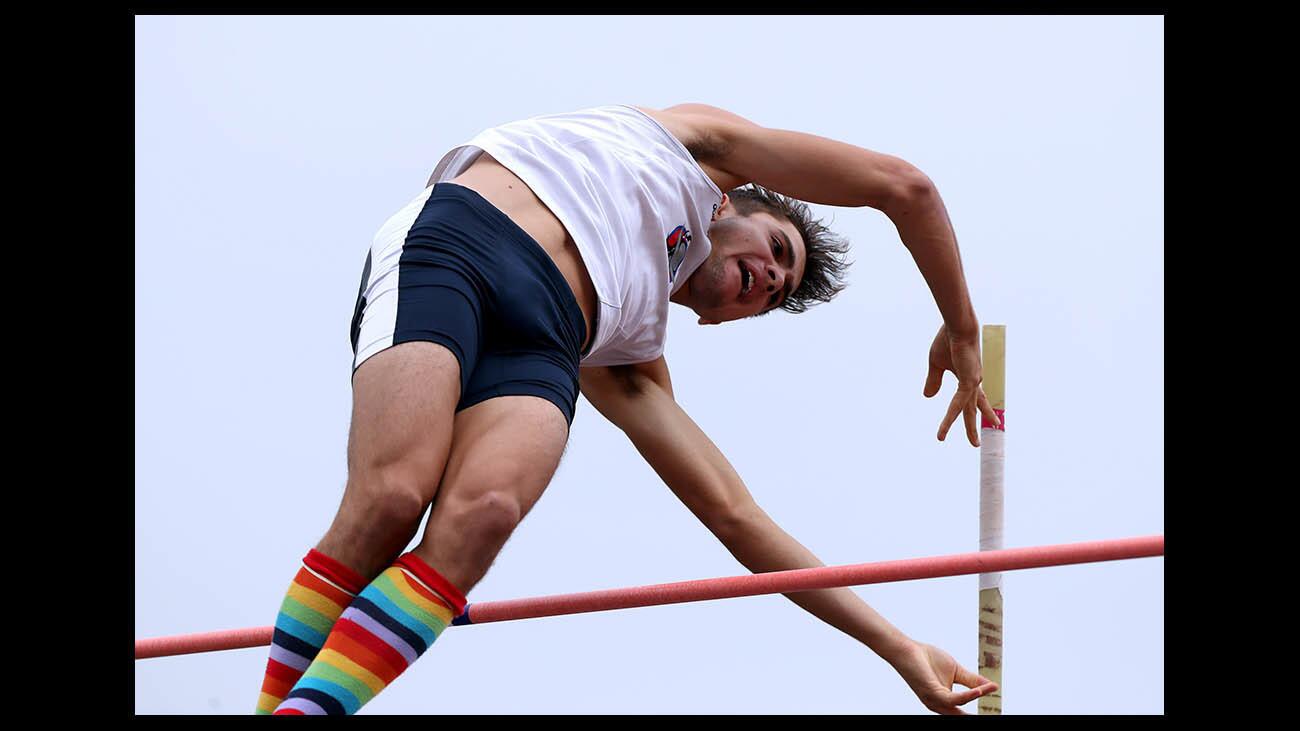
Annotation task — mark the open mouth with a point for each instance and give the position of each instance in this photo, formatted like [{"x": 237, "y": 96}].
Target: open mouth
[{"x": 746, "y": 280}]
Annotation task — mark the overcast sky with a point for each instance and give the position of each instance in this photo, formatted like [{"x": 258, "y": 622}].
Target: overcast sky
[{"x": 270, "y": 149}]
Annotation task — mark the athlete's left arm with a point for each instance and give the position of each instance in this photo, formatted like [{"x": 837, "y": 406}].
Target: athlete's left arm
[
  {"x": 821, "y": 170},
  {"x": 639, "y": 400}
]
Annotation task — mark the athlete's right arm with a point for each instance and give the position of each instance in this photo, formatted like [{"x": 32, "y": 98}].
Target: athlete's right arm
[{"x": 638, "y": 399}]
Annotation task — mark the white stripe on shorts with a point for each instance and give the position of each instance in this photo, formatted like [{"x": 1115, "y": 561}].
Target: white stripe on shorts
[{"x": 379, "y": 319}]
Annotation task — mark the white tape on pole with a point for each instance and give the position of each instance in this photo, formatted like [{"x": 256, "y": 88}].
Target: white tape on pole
[{"x": 992, "y": 456}]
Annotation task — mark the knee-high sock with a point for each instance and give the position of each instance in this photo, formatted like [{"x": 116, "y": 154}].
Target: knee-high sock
[
  {"x": 385, "y": 629},
  {"x": 319, "y": 593}
]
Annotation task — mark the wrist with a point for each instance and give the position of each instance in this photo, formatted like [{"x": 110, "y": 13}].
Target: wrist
[
  {"x": 895, "y": 648},
  {"x": 964, "y": 329}
]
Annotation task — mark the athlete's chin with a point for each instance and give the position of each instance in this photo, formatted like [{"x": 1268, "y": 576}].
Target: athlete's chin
[{"x": 721, "y": 315}]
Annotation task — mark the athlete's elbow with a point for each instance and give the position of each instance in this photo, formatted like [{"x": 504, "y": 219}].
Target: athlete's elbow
[{"x": 909, "y": 189}]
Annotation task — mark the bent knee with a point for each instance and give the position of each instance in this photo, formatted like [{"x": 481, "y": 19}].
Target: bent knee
[
  {"x": 489, "y": 516},
  {"x": 391, "y": 496}
]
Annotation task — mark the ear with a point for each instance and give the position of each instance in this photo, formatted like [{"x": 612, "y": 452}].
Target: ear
[
  {"x": 722, "y": 206},
  {"x": 707, "y": 321}
]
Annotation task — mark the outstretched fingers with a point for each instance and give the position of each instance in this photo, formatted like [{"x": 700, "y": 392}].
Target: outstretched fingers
[
  {"x": 978, "y": 686},
  {"x": 972, "y": 426},
  {"x": 954, "y": 410},
  {"x": 933, "y": 381},
  {"x": 949, "y": 702},
  {"x": 986, "y": 408},
  {"x": 963, "y": 404},
  {"x": 970, "y": 407}
]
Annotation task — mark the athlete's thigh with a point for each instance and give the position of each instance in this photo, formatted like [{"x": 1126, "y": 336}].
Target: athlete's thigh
[
  {"x": 403, "y": 404},
  {"x": 416, "y": 335},
  {"x": 506, "y": 449},
  {"x": 511, "y": 444}
]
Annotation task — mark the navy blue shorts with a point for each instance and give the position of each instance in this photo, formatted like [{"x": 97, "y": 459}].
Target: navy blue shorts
[{"x": 450, "y": 268}]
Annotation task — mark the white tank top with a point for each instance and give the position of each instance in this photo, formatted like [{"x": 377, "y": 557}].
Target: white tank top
[{"x": 635, "y": 202}]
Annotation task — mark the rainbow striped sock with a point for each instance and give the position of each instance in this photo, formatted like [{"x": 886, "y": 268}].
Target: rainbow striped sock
[
  {"x": 316, "y": 598},
  {"x": 390, "y": 624}
]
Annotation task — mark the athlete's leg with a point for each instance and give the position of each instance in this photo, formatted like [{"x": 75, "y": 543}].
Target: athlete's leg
[
  {"x": 404, "y": 399},
  {"x": 479, "y": 279},
  {"x": 404, "y": 402},
  {"x": 503, "y": 455}
]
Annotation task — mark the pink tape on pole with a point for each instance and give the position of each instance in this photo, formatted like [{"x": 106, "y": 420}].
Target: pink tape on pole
[
  {"x": 1002, "y": 419},
  {"x": 776, "y": 582}
]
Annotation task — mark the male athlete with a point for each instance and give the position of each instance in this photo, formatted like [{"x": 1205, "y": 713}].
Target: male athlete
[{"x": 540, "y": 261}]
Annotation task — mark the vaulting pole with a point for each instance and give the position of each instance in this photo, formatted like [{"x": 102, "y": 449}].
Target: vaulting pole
[{"x": 992, "y": 456}]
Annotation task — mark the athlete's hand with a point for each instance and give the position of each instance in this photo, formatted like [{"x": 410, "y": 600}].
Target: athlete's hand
[
  {"x": 931, "y": 672},
  {"x": 962, "y": 357}
]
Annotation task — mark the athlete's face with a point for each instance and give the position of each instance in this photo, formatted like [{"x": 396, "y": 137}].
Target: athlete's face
[{"x": 755, "y": 262}]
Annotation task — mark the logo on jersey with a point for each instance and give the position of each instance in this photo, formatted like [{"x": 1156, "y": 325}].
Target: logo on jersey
[{"x": 679, "y": 241}]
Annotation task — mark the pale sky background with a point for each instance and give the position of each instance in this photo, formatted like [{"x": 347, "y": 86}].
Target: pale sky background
[{"x": 270, "y": 149}]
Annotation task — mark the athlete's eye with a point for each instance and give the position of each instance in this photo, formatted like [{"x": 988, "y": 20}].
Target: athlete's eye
[{"x": 777, "y": 248}]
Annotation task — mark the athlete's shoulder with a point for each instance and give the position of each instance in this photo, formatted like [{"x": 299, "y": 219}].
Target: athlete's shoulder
[{"x": 700, "y": 129}]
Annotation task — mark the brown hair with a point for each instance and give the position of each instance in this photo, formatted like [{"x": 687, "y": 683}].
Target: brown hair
[{"x": 823, "y": 275}]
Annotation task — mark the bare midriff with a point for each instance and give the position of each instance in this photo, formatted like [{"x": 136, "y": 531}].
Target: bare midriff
[{"x": 513, "y": 197}]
